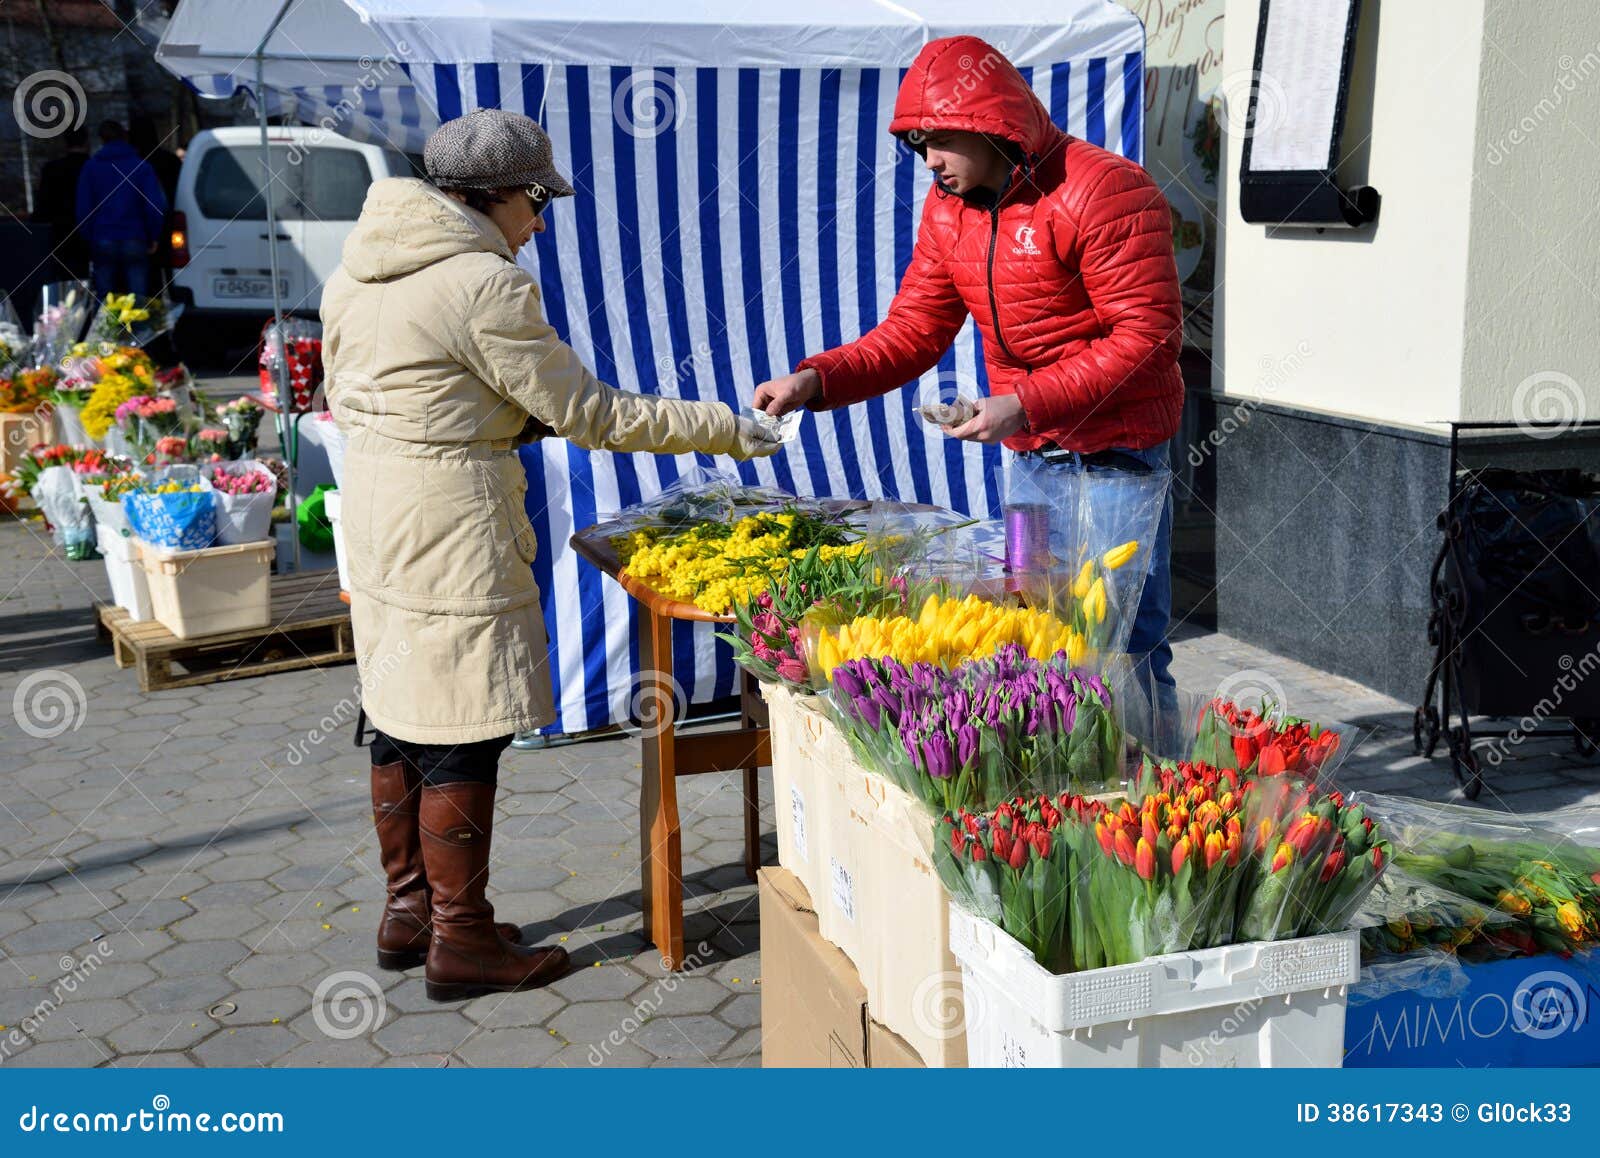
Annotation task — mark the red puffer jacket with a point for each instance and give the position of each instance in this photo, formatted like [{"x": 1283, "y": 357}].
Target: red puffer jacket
[{"x": 1071, "y": 277}]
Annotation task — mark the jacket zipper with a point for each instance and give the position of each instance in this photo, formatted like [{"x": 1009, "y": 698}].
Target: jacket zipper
[{"x": 994, "y": 305}]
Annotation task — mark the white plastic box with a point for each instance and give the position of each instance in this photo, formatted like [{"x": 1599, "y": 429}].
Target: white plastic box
[
  {"x": 130, "y": 590},
  {"x": 1265, "y": 1004},
  {"x": 333, "y": 507},
  {"x": 212, "y": 590}
]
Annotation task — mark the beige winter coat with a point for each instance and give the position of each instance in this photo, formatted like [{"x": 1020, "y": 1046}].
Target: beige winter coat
[{"x": 437, "y": 354}]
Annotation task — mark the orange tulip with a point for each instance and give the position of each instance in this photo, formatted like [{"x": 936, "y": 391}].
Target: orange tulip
[
  {"x": 1180, "y": 853},
  {"x": 1144, "y": 859}
]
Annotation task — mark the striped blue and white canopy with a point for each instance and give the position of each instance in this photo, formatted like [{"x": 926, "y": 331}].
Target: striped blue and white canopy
[
  {"x": 728, "y": 221},
  {"x": 320, "y": 66}
]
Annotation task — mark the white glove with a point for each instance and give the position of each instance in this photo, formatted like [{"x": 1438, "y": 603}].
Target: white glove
[{"x": 753, "y": 438}]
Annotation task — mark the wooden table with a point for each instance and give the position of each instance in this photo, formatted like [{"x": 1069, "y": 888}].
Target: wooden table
[{"x": 667, "y": 755}]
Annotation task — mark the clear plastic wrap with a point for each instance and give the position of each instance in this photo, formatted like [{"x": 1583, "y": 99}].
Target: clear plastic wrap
[
  {"x": 981, "y": 731},
  {"x": 63, "y": 313},
  {"x": 60, "y": 496},
  {"x": 1200, "y": 863},
  {"x": 1255, "y": 735},
  {"x": 1428, "y": 973},
  {"x": 1490, "y": 884},
  {"x": 1078, "y": 543}
]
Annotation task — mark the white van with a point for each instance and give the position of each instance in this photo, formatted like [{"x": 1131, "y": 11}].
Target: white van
[{"x": 221, "y": 260}]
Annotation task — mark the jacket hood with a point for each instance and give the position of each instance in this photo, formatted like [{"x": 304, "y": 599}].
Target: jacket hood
[
  {"x": 406, "y": 225},
  {"x": 965, "y": 83}
]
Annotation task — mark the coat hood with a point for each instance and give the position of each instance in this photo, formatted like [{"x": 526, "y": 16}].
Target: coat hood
[
  {"x": 965, "y": 83},
  {"x": 406, "y": 225}
]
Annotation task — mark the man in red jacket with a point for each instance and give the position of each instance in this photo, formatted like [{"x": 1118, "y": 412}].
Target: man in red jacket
[{"x": 1062, "y": 253}]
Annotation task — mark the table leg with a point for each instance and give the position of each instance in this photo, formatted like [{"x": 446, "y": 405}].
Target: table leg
[
  {"x": 660, "y": 839},
  {"x": 750, "y": 717}
]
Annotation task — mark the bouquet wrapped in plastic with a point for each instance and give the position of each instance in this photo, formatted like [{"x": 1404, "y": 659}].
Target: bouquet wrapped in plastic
[
  {"x": 125, "y": 319},
  {"x": 1488, "y": 885},
  {"x": 1078, "y": 543},
  {"x": 1254, "y": 737},
  {"x": 1208, "y": 858},
  {"x": 63, "y": 313},
  {"x": 244, "y": 493},
  {"x": 175, "y": 510},
  {"x": 981, "y": 731},
  {"x": 60, "y": 496},
  {"x": 718, "y": 547}
]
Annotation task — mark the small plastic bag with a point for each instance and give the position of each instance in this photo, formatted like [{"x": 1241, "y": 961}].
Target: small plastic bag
[{"x": 61, "y": 497}]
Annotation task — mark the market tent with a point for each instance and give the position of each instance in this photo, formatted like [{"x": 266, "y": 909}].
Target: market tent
[
  {"x": 321, "y": 66},
  {"x": 739, "y": 205}
]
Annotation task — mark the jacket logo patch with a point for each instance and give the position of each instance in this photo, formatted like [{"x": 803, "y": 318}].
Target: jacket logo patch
[{"x": 1025, "y": 245}]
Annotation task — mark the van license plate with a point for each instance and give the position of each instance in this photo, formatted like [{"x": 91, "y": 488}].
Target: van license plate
[{"x": 247, "y": 287}]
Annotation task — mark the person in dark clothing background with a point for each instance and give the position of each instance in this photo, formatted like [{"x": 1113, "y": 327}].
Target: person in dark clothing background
[
  {"x": 123, "y": 213},
  {"x": 149, "y": 144},
  {"x": 58, "y": 197}
]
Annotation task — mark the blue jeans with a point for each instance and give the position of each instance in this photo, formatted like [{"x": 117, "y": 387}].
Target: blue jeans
[
  {"x": 1118, "y": 506},
  {"x": 120, "y": 267}
]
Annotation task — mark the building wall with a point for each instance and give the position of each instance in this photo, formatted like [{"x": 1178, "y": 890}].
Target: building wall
[
  {"x": 1365, "y": 323},
  {"x": 1533, "y": 256}
]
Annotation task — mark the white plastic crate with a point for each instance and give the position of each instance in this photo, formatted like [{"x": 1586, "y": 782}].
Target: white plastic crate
[
  {"x": 212, "y": 590},
  {"x": 130, "y": 590},
  {"x": 333, "y": 507},
  {"x": 1277, "y": 1004}
]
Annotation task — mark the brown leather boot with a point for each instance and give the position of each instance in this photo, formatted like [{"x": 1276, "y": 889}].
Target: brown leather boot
[
  {"x": 405, "y": 927},
  {"x": 467, "y": 956}
]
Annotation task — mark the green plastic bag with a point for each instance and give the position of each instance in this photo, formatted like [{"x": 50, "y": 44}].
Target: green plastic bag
[{"x": 316, "y": 533}]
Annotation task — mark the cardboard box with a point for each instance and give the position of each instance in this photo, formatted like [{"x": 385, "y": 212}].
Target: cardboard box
[
  {"x": 887, "y": 1050},
  {"x": 813, "y": 1006}
]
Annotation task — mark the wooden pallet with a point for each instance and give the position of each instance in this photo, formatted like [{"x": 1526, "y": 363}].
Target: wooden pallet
[{"x": 310, "y": 627}]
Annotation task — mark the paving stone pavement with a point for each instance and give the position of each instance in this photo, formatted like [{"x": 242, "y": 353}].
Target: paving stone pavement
[{"x": 189, "y": 877}]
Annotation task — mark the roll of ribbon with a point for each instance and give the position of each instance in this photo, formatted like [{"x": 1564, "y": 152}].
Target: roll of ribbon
[{"x": 1027, "y": 537}]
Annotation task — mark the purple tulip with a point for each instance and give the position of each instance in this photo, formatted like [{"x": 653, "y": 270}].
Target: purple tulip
[
  {"x": 966, "y": 744},
  {"x": 936, "y": 752}
]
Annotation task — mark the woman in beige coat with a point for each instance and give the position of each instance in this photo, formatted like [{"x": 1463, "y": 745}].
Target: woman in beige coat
[{"x": 439, "y": 361}]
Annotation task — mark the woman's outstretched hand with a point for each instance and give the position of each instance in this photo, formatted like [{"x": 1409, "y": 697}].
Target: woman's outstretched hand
[{"x": 753, "y": 438}]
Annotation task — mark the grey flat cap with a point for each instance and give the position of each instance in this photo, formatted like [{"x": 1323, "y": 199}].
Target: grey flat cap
[{"x": 493, "y": 149}]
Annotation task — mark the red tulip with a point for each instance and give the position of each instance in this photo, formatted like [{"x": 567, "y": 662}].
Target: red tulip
[
  {"x": 1271, "y": 762},
  {"x": 1332, "y": 866},
  {"x": 1284, "y": 857},
  {"x": 1180, "y": 853},
  {"x": 1214, "y": 848},
  {"x": 1103, "y": 835},
  {"x": 1040, "y": 839},
  {"x": 1019, "y": 854}
]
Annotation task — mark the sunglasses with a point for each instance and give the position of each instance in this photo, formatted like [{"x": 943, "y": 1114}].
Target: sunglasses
[{"x": 539, "y": 198}]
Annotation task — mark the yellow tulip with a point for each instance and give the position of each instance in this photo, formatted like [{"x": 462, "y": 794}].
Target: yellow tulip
[
  {"x": 1080, "y": 585},
  {"x": 1117, "y": 556}
]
